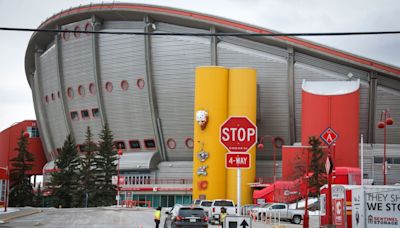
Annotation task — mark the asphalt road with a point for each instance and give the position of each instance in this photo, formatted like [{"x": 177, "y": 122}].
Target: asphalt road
[{"x": 105, "y": 217}]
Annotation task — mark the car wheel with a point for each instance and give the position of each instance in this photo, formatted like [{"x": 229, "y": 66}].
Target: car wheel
[{"x": 296, "y": 219}]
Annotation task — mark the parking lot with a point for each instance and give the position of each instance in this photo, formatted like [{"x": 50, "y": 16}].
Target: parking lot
[{"x": 105, "y": 217}]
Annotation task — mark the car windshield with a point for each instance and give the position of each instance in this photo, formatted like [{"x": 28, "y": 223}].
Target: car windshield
[
  {"x": 188, "y": 212},
  {"x": 196, "y": 202},
  {"x": 223, "y": 203},
  {"x": 206, "y": 203}
]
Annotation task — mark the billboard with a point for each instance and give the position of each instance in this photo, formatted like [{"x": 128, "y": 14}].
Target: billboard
[{"x": 381, "y": 207}]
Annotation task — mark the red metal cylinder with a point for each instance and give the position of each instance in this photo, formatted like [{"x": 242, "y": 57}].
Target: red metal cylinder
[{"x": 333, "y": 104}]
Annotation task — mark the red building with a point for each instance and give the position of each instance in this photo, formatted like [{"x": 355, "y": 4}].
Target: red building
[{"x": 9, "y": 140}]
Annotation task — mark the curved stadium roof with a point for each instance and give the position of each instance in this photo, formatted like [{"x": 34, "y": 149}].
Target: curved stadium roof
[{"x": 125, "y": 11}]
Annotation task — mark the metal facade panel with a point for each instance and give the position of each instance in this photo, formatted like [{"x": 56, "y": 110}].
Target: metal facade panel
[
  {"x": 175, "y": 169},
  {"x": 165, "y": 27},
  {"x": 388, "y": 99},
  {"x": 123, "y": 25},
  {"x": 55, "y": 114},
  {"x": 174, "y": 63},
  {"x": 45, "y": 136},
  {"x": 313, "y": 73},
  {"x": 128, "y": 112},
  {"x": 374, "y": 170},
  {"x": 364, "y": 107},
  {"x": 272, "y": 50},
  {"x": 273, "y": 88},
  {"x": 331, "y": 66},
  {"x": 265, "y": 169},
  {"x": 77, "y": 68}
]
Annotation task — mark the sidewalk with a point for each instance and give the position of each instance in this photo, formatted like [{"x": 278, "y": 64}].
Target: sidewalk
[{"x": 24, "y": 211}]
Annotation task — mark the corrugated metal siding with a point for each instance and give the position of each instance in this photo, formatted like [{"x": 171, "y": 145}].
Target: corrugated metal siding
[
  {"x": 273, "y": 91},
  {"x": 77, "y": 69},
  {"x": 44, "y": 135},
  {"x": 53, "y": 108},
  {"x": 374, "y": 170},
  {"x": 175, "y": 169},
  {"x": 313, "y": 69},
  {"x": 128, "y": 112},
  {"x": 265, "y": 169},
  {"x": 388, "y": 99},
  {"x": 174, "y": 63}
]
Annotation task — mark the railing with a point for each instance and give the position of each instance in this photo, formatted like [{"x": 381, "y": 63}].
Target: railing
[
  {"x": 269, "y": 217},
  {"x": 136, "y": 203},
  {"x": 153, "y": 181}
]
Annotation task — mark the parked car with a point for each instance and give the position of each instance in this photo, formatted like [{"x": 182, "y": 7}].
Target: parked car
[
  {"x": 184, "y": 216},
  {"x": 215, "y": 210},
  {"x": 196, "y": 202},
  {"x": 293, "y": 215},
  {"x": 206, "y": 205}
]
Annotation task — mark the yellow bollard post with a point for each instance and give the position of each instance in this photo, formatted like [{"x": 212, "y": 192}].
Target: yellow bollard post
[
  {"x": 242, "y": 102},
  {"x": 210, "y": 111}
]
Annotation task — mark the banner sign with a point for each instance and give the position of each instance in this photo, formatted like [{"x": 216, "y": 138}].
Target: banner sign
[{"x": 382, "y": 207}]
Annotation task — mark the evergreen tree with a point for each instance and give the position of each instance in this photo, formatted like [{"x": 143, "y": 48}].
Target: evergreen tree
[
  {"x": 106, "y": 164},
  {"x": 21, "y": 193},
  {"x": 63, "y": 182},
  {"x": 86, "y": 190},
  {"x": 317, "y": 167},
  {"x": 38, "y": 198}
]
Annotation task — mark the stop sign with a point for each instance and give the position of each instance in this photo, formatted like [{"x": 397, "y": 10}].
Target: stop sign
[{"x": 238, "y": 134}]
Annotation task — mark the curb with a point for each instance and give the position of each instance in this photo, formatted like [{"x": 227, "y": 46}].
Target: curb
[{"x": 17, "y": 214}]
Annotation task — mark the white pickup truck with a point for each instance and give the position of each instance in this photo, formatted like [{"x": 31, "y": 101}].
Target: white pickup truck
[
  {"x": 282, "y": 210},
  {"x": 215, "y": 209}
]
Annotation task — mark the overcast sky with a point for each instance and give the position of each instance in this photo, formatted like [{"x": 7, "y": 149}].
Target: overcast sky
[{"x": 280, "y": 15}]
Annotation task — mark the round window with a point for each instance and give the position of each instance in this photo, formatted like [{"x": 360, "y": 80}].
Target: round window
[
  {"x": 92, "y": 89},
  {"x": 171, "y": 143},
  {"x": 65, "y": 35},
  {"x": 140, "y": 83},
  {"x": 81, "y": 90},
  {"x": 77, "y": 30},
  {"x": 46, "y": 98},
  {"x": 189, "y": 143},
  {"x": 70, "y": 92},
  {"x": 53, "y": 97},
  {"x": 88, "y": 28},
  {"x": 58, "y": 94},
  {"x": 109, "y": 87},
  {"x": 124, "y": 85}
]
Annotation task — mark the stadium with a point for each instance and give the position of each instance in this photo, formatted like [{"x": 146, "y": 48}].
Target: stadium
[{"x": 143, "y": 87}]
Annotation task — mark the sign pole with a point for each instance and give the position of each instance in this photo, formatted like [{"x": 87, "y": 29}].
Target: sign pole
[
  {"x": 362, "y": 200},
  {"x": 238, "y": 192},
  {"x": 329, "y": 195}
]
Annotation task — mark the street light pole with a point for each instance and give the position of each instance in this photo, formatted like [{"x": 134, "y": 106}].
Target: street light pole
[
  {"x": 385, "y": 120},
  {"x": 276, "y": 142}
]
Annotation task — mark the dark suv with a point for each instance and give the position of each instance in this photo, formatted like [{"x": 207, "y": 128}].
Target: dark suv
[{"x": 187, "y": 217}]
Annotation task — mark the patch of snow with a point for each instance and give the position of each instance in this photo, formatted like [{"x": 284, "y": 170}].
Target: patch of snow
[
  {"x": 9, "y": 210},
  {"x": 330, "y": 87}
]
